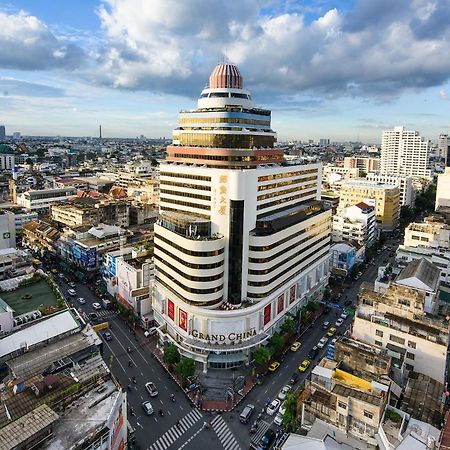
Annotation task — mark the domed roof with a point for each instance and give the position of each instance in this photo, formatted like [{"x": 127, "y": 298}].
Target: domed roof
[{"x": 226, "y": 75}]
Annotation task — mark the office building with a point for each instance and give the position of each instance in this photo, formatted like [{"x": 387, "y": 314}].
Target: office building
[
  {"x": 355, "y": 223},
  {"x": 397, "y": 313},
  {"x": 405, "y": 184},
  {"x": 242, "y": 239},
  {"x": 7, "y": 230},
  {"x": 324, "y": 142},
  {"x": 384, "y": 197},
  {"x": 443, "y": 190},
  {"x": 364, "y": 163},
  {"x": 442, "y": 148},
  {"x": 7, "y": 158},
  {"x": 2, "y": 132},
  {"x": 404, "y": 153}
]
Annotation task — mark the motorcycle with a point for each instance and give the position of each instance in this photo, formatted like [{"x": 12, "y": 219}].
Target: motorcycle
[
  {"x": 130, "y": 363},
  {"x": 172, "y": 397},
  {"x": 161, "y": 413},
  {"x": 129, "y": 349},
  {"x": 134, "y": 380}
]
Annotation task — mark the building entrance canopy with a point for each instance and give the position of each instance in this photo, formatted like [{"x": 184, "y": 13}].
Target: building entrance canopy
[{"x": 211, "y": 347}]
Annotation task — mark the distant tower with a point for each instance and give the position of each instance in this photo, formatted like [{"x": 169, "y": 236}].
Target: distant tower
[
  {"x": 100, "y": 131},
  {"x": 2, "y": 132}
]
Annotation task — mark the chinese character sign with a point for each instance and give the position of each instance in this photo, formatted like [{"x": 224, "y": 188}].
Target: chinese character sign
[
  {"x": 182, "y": 319},
  {"x": 171, "y": 309}
]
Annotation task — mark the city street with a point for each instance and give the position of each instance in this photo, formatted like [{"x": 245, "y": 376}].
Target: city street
[{"x": 181, "y": 426}]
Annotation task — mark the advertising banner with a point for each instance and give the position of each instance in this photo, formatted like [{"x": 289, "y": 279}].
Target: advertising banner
[
  {"x": 171, "y": 309},
  {"x": 267, "y": 314},
  {"x": 280, "y": 304},
  {"x": 182, "y": 317}
]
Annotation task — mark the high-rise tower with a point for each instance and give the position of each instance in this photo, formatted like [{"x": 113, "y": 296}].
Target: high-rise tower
[{"x": 242, "y": 237}]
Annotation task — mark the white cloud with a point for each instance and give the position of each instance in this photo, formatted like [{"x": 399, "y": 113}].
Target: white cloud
[{"x": 443, "y": 94}]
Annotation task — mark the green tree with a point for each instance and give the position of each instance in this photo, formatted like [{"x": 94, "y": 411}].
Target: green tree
[
  {"x": 186, "y": 367},
  {"x": 407, "y": 215},
  {"x": 327, "y": 293},
  {"x": 171, "y": 354},
  {"x": 288, "y": 326},
  {"x": 261, "y": 356},
  {"x": 276, "y": 343},
  {"x": 363, "y": 174},
  {"x": 290, "y": 415}
]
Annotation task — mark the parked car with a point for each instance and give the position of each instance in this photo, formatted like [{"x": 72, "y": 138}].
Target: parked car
[
  {"x": 273, "y": 407},
  {"x": 313, "y": 352},
  {"x": 322, "y": 342},
  {"x": 344, "y": 315},
  {"x": 284, "y": 391},
  {"x": 331, "y": 331},
  {"x": 304, "y": 365},
  {"x": 326, "y": 325},
  {"x": 148, "y": 408},
  {"x": 72, "y": 292},
  {"x": 96, "y": 306},
  {"x": 151, "y": 389},
  {"x": 339, "y": 322},
  {"x": 278, "y": 419},
  {"x": 72, "y": 284},
  {"x": 295, "y": 346},
  {"x": 267, "y": 440},
  {"x": 274, "y": 366},
  {"x": 294, "y": 378},
  {"x": 81, "y": 301},
  {"x": 246, "y": 413}
]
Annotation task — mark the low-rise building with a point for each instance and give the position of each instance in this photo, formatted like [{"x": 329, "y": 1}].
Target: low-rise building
[
  {"x": 7, "y": 159},
  {"x": 13, "y": 263},
  {"x": 342, "y": 259},
  {"x": 330, "y": 200},
  {"x": 443, "y": 189},
  {"x": 363, "y": 163},
  {"x": 7, "y": 230},
  {"x": 40, "y": 236},
  {"x": 405, "y": 184},
  {"x": 332, "y": 174},
  {"x": 384, "y": 197},
  {"x": 355, "y": 223},
  {"x": 350, "y": 403},
  {"x": 40, "y": 200},
  {"x": 396, "y": 314}
]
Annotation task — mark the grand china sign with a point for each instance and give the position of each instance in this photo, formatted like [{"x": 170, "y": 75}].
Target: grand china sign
[{"x": 232, "y": 337}]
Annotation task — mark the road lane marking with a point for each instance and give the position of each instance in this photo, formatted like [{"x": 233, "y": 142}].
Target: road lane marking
[{"x": 115, "y": 357}]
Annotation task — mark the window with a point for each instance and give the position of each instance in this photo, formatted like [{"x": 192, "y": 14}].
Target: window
[
  {"x": 379, "y": 343},
  {"x": 397, "y": 339},
  {"x": 368, "y": 414},
  {"x": 342, "y": 405},
  {"x": 410, "y": 355},
  {"x": 411, "y": 344},
  {"x": 404, "y": 302},
  {"x": 379, "y": 333},
  {"x": 409, "y": 367}
]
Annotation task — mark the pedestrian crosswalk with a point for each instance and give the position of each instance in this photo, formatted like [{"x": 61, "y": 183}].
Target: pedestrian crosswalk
[
  {"x": 106, "y": 314},
  {"x": 172, "y": 434},
  {"x": 224, "y": 434},
  {"x": 263, "y": 426}
]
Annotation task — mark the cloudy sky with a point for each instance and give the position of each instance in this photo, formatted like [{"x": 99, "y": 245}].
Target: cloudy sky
[{"x": 338, "y": 69}]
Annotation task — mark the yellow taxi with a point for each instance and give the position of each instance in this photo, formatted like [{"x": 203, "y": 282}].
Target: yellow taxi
[
  {"x": 331, "y": 331},
  {"x": 304, "y": 365},
  {"x": 295, "y": 346},
  {"x": 274, "y": 366}
]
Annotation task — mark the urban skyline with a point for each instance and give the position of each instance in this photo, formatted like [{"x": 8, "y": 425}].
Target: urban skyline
[{"x": 322, "y": 67}]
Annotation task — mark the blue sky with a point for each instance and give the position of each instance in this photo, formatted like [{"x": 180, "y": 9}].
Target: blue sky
[{"x": 343, "y": 69}]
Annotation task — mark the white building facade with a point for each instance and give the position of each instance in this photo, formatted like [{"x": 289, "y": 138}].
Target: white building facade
[
  {"x": 404, "y": 153},
  {"x": 241, "y": 239},
  {"x": 405, "y": 184},
  {"x": 40, "y": 200}
]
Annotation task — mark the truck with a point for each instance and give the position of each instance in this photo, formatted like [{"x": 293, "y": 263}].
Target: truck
[{"x": 106, "y": 303}]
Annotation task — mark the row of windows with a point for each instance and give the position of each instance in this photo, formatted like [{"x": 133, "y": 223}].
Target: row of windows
[
  {"x": 280, "y": 264},
  {"x": 277, "y": 176},
  {"x": 286, "y": 191},
  {"x": 266, "y": 294},
  {"x": 186, "y": 251},
  {"x": 265, "y": 248},
  {"x": 225, "y": 95},
  {"x": 186, "y": 194},
  {"x": 163, "y": 208},
  {"x": 265, "y": 187},
  {"x": 287, "y": 249},
  {"x": 181, "y": 203},
  {"x": 188, "y": 264},
  {"x": 224, "y": 120},
  {"x": 186, "y": 300},
  {"x": 185, "y": 185},
  {"x": 225, "y": 140},
  {"x": 186, "y": 276},
  {"x": 187, "y": 288},
  {"x": 286, "y": 199},
  {"x": 268, "y": 157},
  {"x": 185, "y": 175}
]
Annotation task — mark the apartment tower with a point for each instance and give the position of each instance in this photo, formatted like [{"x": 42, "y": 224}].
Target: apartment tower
[{"x": 242, "y": 238}]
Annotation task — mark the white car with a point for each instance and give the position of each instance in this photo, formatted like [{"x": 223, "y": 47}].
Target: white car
[
  {"x": 81, "y": 301},
  {"x": 273, "y": 407},
  {"x": 72, "y": 292},
  {"x": 284, "y": 392},
  {"x": 344, "y": 315},
  {"x": 282, "y": 408},
  {"x": 322, "y": 342},
  {"x": 278, "y": 419},
  {"x": 339, "y": 322},
  {"x": 151, "y": 389},
  {"x": 96, "y": 306}
]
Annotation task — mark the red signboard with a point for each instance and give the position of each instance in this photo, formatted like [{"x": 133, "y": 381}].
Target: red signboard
[
  {"x": 182, "y": 317},
  {"x": 267, "y": 314},
  {"x": 280, "y": 304},
  {"x": 292, "y": 294},
  {"x": 170, "y": 309}
]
